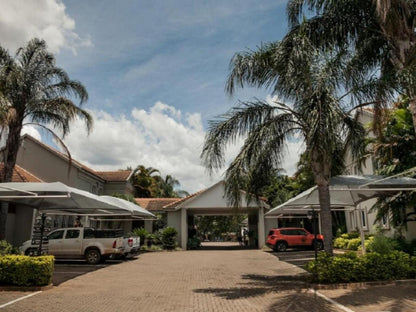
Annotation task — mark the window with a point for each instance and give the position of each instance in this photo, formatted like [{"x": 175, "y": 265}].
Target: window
[
  {"x": 385, "y": 221},
  {"x": 363, "y": 219},
  {"x": 72, "y": 234},
  {"x": 56, "y": 235}
]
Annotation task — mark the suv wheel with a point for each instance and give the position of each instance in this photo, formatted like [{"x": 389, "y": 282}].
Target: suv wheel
[{"x": 281, "y": 246}]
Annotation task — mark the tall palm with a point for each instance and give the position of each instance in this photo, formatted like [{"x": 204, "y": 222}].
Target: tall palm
[
  {"x": 167, "y": 187},
  {"x": 309, "y": 81},
  {"x": 144, "y": 180},
  {"x": 33, "y": 90},
  {"x": 381, "y": 33}
]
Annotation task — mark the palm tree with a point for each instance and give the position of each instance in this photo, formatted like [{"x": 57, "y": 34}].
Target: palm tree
[
  {"x": 167, "y": 187},
  {"x": 309, "y": 81},
  {"x": 144, "y": 180},
  {"x": 381, "y": 33},
  {"x": 33, "y": 90}
]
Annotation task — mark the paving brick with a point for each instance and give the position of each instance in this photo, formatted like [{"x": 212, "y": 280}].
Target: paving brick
[{"x": 214, "y": 280}]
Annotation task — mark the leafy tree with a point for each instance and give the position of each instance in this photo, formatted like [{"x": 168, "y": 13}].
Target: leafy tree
[
  {"x": 143, "y": 181},
  {"x": 381, "y": 33},
  {"x": 309, "y": 81},
  {"x": 167, "y": 187},
  {"x": 395, "y": 152},
  {"x": 34, "y": 91}
]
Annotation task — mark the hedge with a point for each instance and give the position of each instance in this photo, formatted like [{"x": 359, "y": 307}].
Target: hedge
[
  {"x": 369, "y": 267},
  {"x": 26, "y": 271}
]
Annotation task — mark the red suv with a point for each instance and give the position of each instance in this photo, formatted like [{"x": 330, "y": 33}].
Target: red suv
[{"x": 280, "y": 239}]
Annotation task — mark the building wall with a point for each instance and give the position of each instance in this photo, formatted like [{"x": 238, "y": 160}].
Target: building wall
[{"x": 174, "y": 220}]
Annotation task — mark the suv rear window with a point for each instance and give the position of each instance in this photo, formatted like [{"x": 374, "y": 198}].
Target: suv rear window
[{"x": 271, "y": 232}]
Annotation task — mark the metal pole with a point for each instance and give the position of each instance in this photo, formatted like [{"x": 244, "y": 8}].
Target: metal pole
[
  {"x": 42, "y": 229},
  {"x": 314, "y": 232}
]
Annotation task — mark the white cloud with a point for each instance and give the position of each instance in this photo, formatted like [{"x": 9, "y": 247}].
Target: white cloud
[
  {"x": 161, "y": 137},
  {"x": 158, "y": 138},
  {"x": 22, "y": 20}
]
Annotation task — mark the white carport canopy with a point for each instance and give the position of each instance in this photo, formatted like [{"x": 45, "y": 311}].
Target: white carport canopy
[
  {"x": 345, "y": 192},
  {"x": 57, "y": 197}
]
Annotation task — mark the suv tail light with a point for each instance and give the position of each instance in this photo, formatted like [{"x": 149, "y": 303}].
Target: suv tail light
[
  {"x": 115, "y": 244},
  {"x": 130, "y": 242}
]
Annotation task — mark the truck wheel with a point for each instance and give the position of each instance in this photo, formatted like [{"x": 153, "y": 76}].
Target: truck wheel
[
  {"x": 281, "y": 246},
  {"x": 93, "y": 256},
  {"x": 30, "y": 251}
]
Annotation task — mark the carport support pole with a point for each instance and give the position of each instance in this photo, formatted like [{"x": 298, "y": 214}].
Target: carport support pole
[
  {"x": 314, "y": 233},
  {"x": 42, "y": 228}
]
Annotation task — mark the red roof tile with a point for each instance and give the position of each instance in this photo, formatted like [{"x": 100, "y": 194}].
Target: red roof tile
[
  {"x": 21, "y": 175},
  {"x": 154, "y": 204},
  {"x": 115, "y": 176}
]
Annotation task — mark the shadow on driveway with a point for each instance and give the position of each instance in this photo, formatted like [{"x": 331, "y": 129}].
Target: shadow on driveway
[
  {"x": 395, "y": 297},
  {"x": 65, "y": 270},
  {"x": 291, "y": 293}
]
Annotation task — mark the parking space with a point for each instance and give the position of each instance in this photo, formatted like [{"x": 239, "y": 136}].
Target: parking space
[{"x": 65, "y": 270}]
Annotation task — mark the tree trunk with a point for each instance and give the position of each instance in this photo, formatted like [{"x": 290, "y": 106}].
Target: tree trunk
[
  {"x": 326, "y": 217},
  {"x": 321, "y": 168},
  {"x": 11, "y": 149}
]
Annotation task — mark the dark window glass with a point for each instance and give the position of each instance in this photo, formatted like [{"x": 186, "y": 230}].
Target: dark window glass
[
  {"x": 89, "y": 233},
  {"x": 72, "y": 234},
  {"x": 56, "y": 235}
]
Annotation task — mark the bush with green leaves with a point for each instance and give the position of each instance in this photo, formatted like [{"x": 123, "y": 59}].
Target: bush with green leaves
[
  {"x": 7, "y": 248},
  {"x": 381, "y": 244},
  {"x": 369, "y": 267},
  {"x": 169, "y": 238},
  {"x": 194, "y": 243},
  {"x": 341, "y": 243},
  {"x": 350, "y": 235},
  {"x": 354, "y": 243},
  {"x": 142, "y": 233},
  {"x": 26, "y": 271}
]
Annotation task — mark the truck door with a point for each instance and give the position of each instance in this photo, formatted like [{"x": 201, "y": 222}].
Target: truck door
[
  {"x": 55, "y": 242},
  {"x": 73, "y": 242}
]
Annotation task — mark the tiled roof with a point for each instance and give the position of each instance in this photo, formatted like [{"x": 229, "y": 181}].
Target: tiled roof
[
  {"x": 115, "y": 176},
  {"x": 155, "y": 204},
  {"x": 181, "y": 200},
  {"x": 21, "y": 175}
]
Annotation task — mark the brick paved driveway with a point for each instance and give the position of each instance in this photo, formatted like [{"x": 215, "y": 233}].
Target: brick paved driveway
[{"x": 205, "y": 280}]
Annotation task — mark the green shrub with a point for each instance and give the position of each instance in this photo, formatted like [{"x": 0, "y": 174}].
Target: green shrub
[
  {"x": 194, "y": 243},
  {"x": 7, "y": 249},
  {"x": 341, "y": 243},
  {"x": 142, "y": 233},
  {"x": 169, "y": 238},
  {"x": 381, "y": 244},
  {"x": 354, "y": 243},
  {"x": 369, "y": 267},
  {"x": 350, "y": 235},
  {"x": 26, "y": 271}
]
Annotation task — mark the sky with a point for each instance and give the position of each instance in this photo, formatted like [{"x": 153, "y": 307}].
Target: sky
[{"x": 155, "y": 72}]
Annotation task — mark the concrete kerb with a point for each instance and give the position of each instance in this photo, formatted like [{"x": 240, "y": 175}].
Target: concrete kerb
[{"x": 360, "y": 284}]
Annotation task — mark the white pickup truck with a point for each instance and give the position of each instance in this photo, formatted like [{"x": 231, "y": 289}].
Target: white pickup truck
[
  {"x": 131, "y": 246},
  {"x": 93, "y": 245}
]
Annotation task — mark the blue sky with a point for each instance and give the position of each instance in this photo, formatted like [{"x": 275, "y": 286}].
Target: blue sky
[
  {"x": 155, "y": 72},
  {"x": 177, "y": 52}
]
